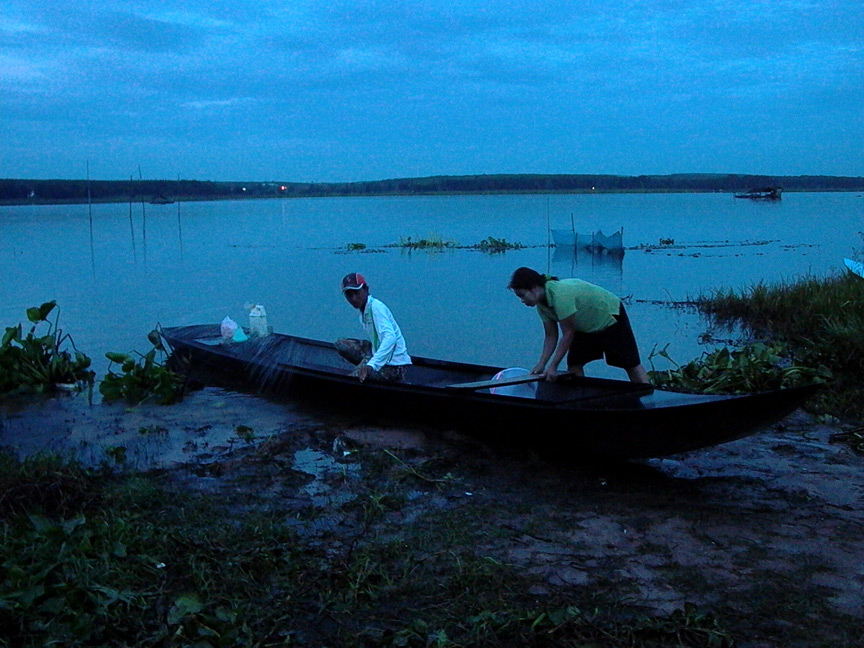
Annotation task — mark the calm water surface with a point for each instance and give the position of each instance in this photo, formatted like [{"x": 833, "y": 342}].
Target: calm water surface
[{"x": 198, "y": 262}]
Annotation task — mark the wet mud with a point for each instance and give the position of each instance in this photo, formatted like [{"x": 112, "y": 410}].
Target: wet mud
[{"x": 766, "y": 532}]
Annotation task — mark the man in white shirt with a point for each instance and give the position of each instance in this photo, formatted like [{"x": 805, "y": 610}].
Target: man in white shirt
[{"x": 384, "y": 356}]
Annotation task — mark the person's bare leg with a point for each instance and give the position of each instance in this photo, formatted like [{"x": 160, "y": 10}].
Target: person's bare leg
[
  {"x": 577, "y": 370},
  {"x": 638, "y": 374}
]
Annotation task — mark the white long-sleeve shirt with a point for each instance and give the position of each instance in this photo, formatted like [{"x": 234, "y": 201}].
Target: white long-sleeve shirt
[{"x": 388, "y": 345}]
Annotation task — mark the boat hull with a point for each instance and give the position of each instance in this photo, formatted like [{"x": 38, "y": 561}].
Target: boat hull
[{"x": 578, "y": 418}]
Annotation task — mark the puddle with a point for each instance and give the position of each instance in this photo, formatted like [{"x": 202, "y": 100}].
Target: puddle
[
  {"x": 326, "y": 472},
  {"x": 206, "y": 426}
]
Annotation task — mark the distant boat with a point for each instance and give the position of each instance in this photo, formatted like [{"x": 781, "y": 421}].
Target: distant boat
[
  {"x": 763, "y": 193},
  {"x": 161, "y": 200}
]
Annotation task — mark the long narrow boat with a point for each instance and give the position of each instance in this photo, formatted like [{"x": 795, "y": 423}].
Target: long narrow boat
[{"x": 583, "y": 417}]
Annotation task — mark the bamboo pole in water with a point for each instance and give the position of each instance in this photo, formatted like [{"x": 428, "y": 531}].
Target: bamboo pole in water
[
  {"x": 90, "y": 214},
  {"x": 131, "y": 224},
  {"x": 143, "y": 217},
  {"x": 179, "y": 224},
  {"x": 548, "y": 239}
]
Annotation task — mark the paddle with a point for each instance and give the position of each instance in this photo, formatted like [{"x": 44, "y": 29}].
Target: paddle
[{"x": 518, "y": 380}]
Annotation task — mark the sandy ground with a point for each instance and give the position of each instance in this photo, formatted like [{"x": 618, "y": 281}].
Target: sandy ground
[{"x": 767, "y": 532}]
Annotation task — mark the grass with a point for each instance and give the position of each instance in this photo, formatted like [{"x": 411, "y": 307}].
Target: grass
[
  {"x": 819, "y": 321},
  {"x": 94, "y": 558}
]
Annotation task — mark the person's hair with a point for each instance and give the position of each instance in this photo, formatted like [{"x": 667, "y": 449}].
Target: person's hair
[{"x": 526, "y": 279}]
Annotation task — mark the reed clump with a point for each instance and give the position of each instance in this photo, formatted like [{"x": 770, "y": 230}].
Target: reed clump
[
  {"x": 433, "y": 242},
  {"x": 821, "y": 321}
]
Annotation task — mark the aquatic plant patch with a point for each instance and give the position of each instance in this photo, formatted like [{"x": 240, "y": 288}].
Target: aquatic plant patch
[
  {"x": 142, "y": 379},
  {"x": 753, "y": 368},
  {"x": 40, "y": 362},
  {"x": 433, "y": 242},
  {"x": 496, "y": 245}
]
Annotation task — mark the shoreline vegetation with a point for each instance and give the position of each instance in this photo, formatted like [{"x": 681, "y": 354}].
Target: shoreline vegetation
[
  {"x": 58, "y": 191},
  {"x": 104, "y": 557},
  {"x": 817, "y": 322}
]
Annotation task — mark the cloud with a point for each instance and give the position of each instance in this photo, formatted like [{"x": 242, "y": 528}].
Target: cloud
[{"x": 456, "y": 87}]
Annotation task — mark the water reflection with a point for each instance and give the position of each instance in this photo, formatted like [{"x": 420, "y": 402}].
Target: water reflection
[
  {"x": 132, "y": 234},
  {"x": 582, "y": 256},
  {"x": 604, "y": 268}
]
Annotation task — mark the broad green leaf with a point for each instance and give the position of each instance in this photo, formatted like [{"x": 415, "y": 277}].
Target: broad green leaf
[
  {"x": 12, "y": 333},
  {"x": 46, "y": 308},
  {"x": 184, "y": 606}
]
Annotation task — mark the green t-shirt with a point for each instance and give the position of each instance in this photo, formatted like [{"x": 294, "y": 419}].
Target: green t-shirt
[{"x": 594, "y": 306}]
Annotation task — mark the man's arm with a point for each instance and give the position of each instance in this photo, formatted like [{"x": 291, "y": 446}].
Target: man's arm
[
  {"x": 386, "y": 340},
  {"x": 568, "y": 328},
  {"x": 550, "y": 338}
]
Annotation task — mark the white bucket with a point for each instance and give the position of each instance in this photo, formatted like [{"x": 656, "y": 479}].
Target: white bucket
[
  {"x": 258, "y": 321},
  {"x": 524, "y": 390}
]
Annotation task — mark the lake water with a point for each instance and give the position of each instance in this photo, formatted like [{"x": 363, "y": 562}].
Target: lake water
[{"x": 116, "y": 271}]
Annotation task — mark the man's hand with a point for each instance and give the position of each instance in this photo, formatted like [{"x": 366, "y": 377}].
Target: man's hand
[
  {"x": 551, "y": 374},
  {"x": 362, "y": 372}
]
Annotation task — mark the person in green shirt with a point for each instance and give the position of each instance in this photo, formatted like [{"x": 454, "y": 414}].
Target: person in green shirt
[{"x": 592, "y": 320}]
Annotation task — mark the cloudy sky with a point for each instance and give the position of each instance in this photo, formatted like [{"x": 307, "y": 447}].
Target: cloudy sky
[{"x": 344, "y": 90}]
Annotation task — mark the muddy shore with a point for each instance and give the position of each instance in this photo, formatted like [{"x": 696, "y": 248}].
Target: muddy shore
[{"x": 766, "y": 533}]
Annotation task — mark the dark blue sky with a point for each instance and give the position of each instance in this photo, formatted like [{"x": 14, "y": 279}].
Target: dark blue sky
[{"x": 341, "y": 90}]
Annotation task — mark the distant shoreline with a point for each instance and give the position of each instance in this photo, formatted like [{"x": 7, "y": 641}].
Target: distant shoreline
[{"x": 14, "y": 192}]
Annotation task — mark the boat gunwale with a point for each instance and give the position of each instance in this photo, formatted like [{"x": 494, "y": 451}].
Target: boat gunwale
[{"x": 618, "y": 388}]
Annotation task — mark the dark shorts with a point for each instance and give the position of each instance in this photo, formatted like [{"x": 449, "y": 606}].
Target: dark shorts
[
  {"x": 359, "y": 352},
  {"x": 617, "y": 342}
]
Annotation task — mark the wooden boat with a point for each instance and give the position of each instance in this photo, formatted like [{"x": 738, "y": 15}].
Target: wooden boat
[{"x": 573, "y": 417}]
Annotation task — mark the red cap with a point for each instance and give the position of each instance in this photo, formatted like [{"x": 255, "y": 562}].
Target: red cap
[{"x": 353, "y": 281}]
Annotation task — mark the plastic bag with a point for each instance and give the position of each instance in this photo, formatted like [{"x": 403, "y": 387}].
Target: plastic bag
[{"x": 229, "y": 328}]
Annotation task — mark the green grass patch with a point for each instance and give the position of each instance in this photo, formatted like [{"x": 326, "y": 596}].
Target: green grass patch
[
  {"x": 820, "y": 321},
  {"x": 96, "y": 559}
]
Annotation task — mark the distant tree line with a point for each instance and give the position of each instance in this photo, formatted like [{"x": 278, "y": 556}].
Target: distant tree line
[{"x": 68, "y": 191}]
